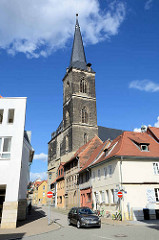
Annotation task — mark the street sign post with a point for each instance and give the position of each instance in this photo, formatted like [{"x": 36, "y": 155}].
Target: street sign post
[
  {"x": 49, "y": 195},
  {"x": 120, "y": 194}
]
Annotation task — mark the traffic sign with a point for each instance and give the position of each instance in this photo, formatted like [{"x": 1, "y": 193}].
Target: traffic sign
[
  {"x": 49, "y": 194},
  {"x": 120, "y": 194}
]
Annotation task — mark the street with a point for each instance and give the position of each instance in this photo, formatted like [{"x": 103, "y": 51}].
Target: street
[{"x": 131, "y": 231}]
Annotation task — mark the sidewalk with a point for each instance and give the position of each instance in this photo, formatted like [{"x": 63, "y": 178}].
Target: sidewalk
[{"x": 36, "y": 223}]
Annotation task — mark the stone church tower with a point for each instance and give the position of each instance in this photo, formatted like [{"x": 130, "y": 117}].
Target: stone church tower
[
  {"x": 79, "y": 99},
  {"x": 79, "y": 123}
]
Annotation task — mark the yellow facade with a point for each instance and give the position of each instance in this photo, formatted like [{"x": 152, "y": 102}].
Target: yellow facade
[{"x": 42, "y": 193}]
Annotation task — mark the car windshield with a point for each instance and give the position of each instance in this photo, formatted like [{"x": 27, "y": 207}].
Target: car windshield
[{"x": 85, "y": 211}]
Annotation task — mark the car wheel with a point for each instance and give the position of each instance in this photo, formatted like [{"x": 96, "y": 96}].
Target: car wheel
[
  {"x": 69, "y": 221},
  {"x": 78, "y": 224}
]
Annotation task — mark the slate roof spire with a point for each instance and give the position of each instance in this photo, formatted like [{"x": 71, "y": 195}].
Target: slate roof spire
[{"x": 78, "y": 58}]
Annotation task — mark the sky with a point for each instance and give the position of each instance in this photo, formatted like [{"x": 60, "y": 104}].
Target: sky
[{"x": 121, "y": 40}]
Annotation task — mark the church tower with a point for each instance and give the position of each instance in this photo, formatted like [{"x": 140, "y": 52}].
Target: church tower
[{"x": 79, "y": 99}]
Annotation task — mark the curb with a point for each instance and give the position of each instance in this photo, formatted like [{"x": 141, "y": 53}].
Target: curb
[{"x": 18, "y": 238}]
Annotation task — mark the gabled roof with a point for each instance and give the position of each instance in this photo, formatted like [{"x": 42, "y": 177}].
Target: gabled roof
[
  {"x": 124, "y": 145},
  {"x": 154, "y": 131},
  {"x": 96, "y": 153},
  {"x": 85, "y": 151},
  {"x": 42, "y": 182},
  {"x": 105, "y": 133},
  {"x": 85, "y": 155},
  {"x": 61, "y": 166}
]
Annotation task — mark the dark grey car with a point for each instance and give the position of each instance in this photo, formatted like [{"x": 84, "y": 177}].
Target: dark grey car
[{"x": 83, "y": 217}]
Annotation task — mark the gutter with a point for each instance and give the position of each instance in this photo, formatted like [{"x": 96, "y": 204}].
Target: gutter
[{"x": 124, "y": 158}]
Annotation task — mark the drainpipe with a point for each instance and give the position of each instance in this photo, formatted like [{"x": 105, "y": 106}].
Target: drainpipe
[
  {"x": 121, "y": 180},
  {"x": 78, "y": 182}
]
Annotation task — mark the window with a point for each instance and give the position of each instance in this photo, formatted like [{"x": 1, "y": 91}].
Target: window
[
  {"x": 43, "y": 187},
  {"x": 10, "y": 115},
  {"x": 43, "y": 194},
  {"x": 93, "y": 176},
  {"x": 61, "y": 171},
  {"x": 83, "y": 86},
  {"x": 81, "y": 178},
  {"x": 88, "y": 197},
  {"x": 157, "y": 194},
  {"x": 5, "y": 146},
  {"x": 67, "y": 118},
  {"x": 85, "y": 138},
  {"x": 102, "y": 197},
  {"x": 105, "y": 172},
  {"x": 84, "y": 115},
  {"x": 156, "y": 168},
  {"x": 1, "y": 115},
  {"x": 110, "y": 170},
  {"x": 98, "y": 174},
  {"x": 112, "y": 195},
  {"x": 144, "y": 148},
  {"x": 87, "y": 176},
  {"x": 67, "y": 144},
  {"x": 60, "y": 199},
  {"x": 107, "y": 196}
]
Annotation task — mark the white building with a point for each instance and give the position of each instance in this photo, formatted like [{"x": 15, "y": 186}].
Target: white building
[
  {"x": 16, "y": 155},
  {"x": 129, "y": 164}
]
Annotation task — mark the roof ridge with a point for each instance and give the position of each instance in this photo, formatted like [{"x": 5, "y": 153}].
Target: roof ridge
[
  {"x": 99, "y": 154},
  {"x": 122, "y": 138}
]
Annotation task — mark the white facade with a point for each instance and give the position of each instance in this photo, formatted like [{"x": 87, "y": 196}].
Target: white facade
[
  {"x": 15, "y": 157},
  {"x": 139, "y": 180}
]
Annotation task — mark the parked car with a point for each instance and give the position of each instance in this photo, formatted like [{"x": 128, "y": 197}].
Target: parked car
[{"x": 83, "y": 217}]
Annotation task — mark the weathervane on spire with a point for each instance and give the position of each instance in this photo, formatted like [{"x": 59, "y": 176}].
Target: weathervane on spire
[{"x": 77, "y": 24}]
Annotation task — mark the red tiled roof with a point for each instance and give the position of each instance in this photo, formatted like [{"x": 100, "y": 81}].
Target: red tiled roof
[
  {"x": 154, "y": 131},
  {"x": 95, "y": 154},
  {"x": 42, "y": 182},
  {"x": 124, "y": 145},
  {"x": 84, "y": 151},
  {"x": 85, "y": 154}
]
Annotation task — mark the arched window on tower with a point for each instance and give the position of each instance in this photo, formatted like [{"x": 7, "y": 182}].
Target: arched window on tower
[
  {"x": 83, "y": 85},
  {"x": 84, "y": 115},
  {"x": 67, "y": 144},
  {"x": 67, "y": 118},
  {"x": 85, "y": 138}
]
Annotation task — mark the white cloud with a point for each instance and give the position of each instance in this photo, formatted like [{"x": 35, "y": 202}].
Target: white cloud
[
  {"x": 41, "y": 175},
  {"x": 148, "y": 4},
  {"x": 144, "y": 85},
  {"x": 39, "y": 27},
  {"x": 157, "y": 123},
  {"x": 41, "y": 156},
  {"x": 137, "y": 129}
]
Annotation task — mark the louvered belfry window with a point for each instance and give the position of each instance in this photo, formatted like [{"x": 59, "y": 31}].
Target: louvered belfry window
[
  {"x": 83, "y": 85},
  {"x": 84, "y": 115}
]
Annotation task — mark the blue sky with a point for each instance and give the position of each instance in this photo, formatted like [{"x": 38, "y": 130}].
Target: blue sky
[{"x": 121, "y": 41}]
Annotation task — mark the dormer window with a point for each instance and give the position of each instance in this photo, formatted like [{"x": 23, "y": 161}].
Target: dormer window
[
  {"x": 144, "y": 148},
  {"x": 141, "y": 144}
]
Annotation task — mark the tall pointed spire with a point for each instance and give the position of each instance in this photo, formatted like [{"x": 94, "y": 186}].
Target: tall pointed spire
[{"x": 78, "y": 58}]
